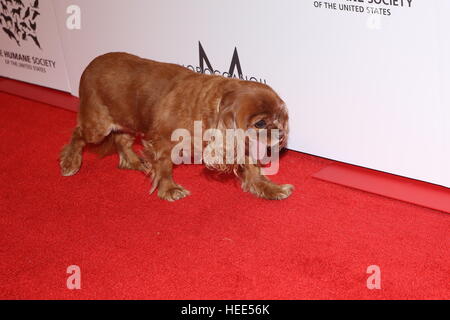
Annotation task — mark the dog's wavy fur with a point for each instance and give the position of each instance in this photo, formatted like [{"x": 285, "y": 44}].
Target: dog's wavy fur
[{"x": 122, "y": 96}]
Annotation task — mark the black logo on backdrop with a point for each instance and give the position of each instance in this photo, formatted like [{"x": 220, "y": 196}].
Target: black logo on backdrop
[
  {"x": 18, "y": 20},
  {"x": 235, "y": 70}
]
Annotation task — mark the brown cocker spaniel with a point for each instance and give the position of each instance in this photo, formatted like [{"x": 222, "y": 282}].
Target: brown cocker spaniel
[{"x": 122, "y": 96}]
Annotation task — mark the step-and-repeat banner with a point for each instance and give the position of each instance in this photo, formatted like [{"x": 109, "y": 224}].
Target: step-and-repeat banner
[
  {"x": 30, "y": 46},
  {"x": 365, "y": 81}
]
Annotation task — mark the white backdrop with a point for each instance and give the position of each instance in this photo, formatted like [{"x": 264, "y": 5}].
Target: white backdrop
[{"x": 366, "y": 89}]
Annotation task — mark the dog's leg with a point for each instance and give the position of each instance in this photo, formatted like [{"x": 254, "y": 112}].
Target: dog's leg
[
  {"x": 70, "y": 157},
  {"x": 128, "y": 158},
  {"x": 161, "y": 172},
  {"x": 94, "y": 124},
  {"x": 254, "y": 182}
]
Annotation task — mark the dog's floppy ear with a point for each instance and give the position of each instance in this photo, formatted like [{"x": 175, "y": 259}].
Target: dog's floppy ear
[{"x": 227, "y": 107}]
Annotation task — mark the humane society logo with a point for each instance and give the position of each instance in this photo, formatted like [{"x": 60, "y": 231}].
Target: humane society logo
[{"x": 18, "y": 20}]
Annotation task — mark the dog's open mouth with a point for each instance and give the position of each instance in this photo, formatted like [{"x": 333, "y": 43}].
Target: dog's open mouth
[{"x": 262, "y": 152}]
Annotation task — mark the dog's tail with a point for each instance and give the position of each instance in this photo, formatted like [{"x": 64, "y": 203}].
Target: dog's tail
[{"x": 106, "y": 147}]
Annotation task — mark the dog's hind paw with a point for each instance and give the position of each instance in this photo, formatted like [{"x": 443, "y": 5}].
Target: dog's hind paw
[{"x": 70, "y": 163}]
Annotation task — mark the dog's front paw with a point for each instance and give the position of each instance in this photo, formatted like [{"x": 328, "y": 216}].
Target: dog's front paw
[
  {"x": 271, "y": 191},
  {"x": 173, "y": 192}
]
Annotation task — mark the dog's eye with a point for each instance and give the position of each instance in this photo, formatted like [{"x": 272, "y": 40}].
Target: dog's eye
[{"x": 260, "y": 124}]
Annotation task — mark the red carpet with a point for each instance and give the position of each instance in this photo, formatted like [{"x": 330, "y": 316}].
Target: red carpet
[{"x": 217, "y": 243}]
